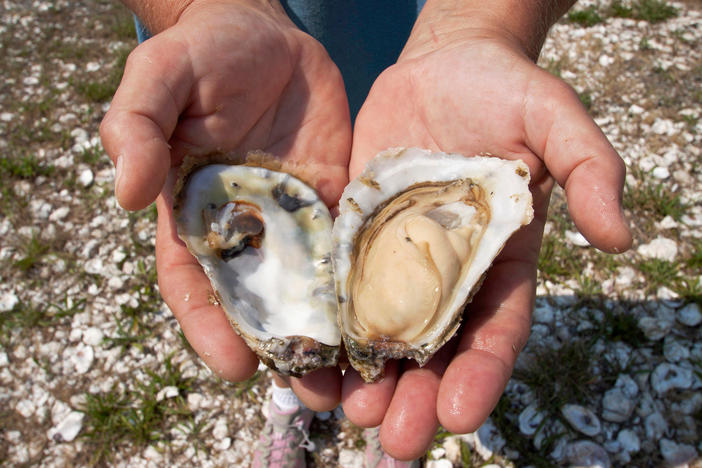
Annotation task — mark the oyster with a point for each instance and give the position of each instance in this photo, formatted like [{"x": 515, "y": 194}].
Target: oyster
[
  {"x": 263, "y": 237},
  {"x": 415, "y": 235}
]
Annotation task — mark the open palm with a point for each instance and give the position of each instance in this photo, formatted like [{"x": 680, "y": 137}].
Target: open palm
[
  {"x": 475, "y": 97},
  {"x": 230, "y": 78}
]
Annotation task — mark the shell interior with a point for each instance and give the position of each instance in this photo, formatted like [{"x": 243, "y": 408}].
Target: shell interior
[{"x": 264, "y": 240}]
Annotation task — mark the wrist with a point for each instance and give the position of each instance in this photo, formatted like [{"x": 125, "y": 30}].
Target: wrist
[
  {"x": 158, "y": 15},
  {"x": 523, "y": 24}
]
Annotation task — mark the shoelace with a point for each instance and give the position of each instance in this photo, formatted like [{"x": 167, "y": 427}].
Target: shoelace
[{"x": 306, "y": 443}]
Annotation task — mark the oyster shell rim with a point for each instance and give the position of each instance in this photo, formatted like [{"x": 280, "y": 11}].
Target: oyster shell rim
[
  {"x": 294, "y": 355},
  {"x": 368, "y": 356}
]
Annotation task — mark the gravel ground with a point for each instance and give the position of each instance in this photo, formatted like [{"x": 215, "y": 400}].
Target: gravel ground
[{"x": 94, "y": 369}]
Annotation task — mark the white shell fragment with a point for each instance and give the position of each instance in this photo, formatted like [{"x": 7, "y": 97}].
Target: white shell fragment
[
  {"x": 415, "y": 235},
  {"x": 263, "y": 238}
]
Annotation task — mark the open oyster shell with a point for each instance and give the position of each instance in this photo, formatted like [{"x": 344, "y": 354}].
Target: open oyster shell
[
  {"x": 415, "y": 235},
  {"x": 263, "y": 237}
]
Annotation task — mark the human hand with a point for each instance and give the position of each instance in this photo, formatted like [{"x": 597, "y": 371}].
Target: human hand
[
  {"x": 228, "y": 76},
  {"x": 470, "y": 87}
]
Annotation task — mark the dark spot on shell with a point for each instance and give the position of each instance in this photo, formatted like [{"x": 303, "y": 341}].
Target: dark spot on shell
[{"x": 288, "y": 202}]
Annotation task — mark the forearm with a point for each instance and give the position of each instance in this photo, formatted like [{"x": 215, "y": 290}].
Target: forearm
[
  {"x": 525, "y": 22},
  {"x": 158, "y": 15}
]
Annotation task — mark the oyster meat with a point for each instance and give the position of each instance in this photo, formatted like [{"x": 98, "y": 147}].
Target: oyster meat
[
  {"x": 263, "y": 237},
  {"x": 415, "y": 235}
]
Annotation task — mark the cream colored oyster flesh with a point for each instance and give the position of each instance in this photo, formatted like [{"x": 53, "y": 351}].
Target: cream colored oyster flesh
[{"x": 415, "y": 235}]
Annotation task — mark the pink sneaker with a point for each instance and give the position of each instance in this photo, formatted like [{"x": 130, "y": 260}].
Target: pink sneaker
[
  {"x": 376, "y": 456},
  {"x": 284, "y": 439}
]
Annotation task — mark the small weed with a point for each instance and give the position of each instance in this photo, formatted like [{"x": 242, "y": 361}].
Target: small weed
[
  {"x": 27, "y": 317},
  {"x": 694, "y": 261},
  {"x": 689, "y": 290},
  {"x": 23, "y": 167},
  {"x": 127, "y": 337},
  {"x": 505, "y": 418},
  {"x": 588, "y": 287},
  {"x": 104, "y": 422},
  {"x": 555, "y": 259},
  {"x": 658, "y": 273},
  {"x": 92, "y": 155},
  {"x": 587, "y": 17},
  {"x": 621, "y": 326},
  {"x": 654, "y": 198},
  {"x": 103, "y": 90},
  {"x": 654, "y": 11},
  {"x": 618, "y": 10},
  {"x": 586, "y": 99},
  {"x": 644, "y": 44},
  {"x": 137, "y": 417},
  {"x": 466, "y": 454},
  {"x": 33, "y": 251},
  {"x": 246, "y": 387},
  {"x": 555, "y": 67},
  {"x": 560, "y": 376},
  {"x": 124, "y": 27}
]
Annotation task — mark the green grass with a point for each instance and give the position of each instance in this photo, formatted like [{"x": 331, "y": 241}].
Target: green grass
[
  {"x": 123, "y": 27},
  {"x": 559, "y": 376},
  {"x": 127, "y": 337},
  {"x": 555, "y": 67},
  {"x": 586, "y": 99},
  {"x": 92, "y": 156},
  {"x": 654, "y": 11},
  {"x": 25, "y": 317},
  {"x": 556, "y": 259},
  {"x": 507, "y": 422},
  {"x": 658, "y": 273},
  {"x": 587, "y": 17},
  {"x": 32, "y": 253},
  {"x": 588, "y": 287},
  {"x": 656, "y": 198},
  {"x": 467, "y": 460},
  {"x": 694, "y": 261},
  {"x": 102, "y": 90},
  {"x": 135, "y": 418},
  {"x": 619, "y": 325},
  {"x": 25, "y": 166},
  {"x": 619, "y": 10},
  {"x": 133, "y": 322}
]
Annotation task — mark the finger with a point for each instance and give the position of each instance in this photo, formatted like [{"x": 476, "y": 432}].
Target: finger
[
  {"x": 366, "y": 404},
  {"x": 319, "y": 390},
  {"x": 142, "y": 117},
  {"x": 496, "y": 328},
  {"x": 411, "y": 422},
  {"x": 580, "y": 158},
  {"x": 188, "y": 293}
]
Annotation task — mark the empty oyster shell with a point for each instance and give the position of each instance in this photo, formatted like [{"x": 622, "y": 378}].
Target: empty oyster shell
[
  {"x": 263, "y": 237},
  {"x": 415, "y": 235}
]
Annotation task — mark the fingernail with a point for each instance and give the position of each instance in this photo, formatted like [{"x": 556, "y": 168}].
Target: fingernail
[{"x": 119, "y": 166}]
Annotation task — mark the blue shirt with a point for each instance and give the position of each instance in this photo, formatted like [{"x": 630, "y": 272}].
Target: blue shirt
[{"x": 363, "y": 37}]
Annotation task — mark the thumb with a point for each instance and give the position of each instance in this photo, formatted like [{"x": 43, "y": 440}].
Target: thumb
[
  {"x": 142, "y": 116},
  {"x": 581, "y": 159}
]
